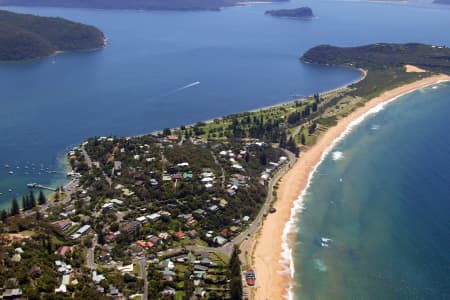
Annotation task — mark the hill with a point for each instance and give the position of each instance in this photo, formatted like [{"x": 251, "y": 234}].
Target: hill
[
  {"x": 381, "y": 56},
  {"x": 442, "y": 1},
  {"x": 24, "y": 36},
  {"x": 133, "y": 4},
  {"x": 297, "y": 13}
]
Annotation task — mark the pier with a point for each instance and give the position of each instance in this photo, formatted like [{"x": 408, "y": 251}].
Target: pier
[{"x": 40, "y": 186}]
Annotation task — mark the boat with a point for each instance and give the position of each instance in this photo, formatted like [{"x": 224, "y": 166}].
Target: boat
[
  {"x": 11, "y": 172},
  {"x": 31, "y": 185},
  {"x": 250, "y": 277}
]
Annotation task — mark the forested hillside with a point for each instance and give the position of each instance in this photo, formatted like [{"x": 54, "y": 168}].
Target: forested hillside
[{"x": 24, "y": 36}]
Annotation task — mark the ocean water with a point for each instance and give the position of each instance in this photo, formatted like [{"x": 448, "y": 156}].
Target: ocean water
[{"x": 382, "y": 196}]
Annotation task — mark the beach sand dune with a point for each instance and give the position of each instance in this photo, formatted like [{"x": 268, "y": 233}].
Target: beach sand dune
[{"x": 273, "y": 282}]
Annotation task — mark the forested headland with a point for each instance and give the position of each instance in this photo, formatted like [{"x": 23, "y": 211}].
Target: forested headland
[{"x": 26, "y": 37}]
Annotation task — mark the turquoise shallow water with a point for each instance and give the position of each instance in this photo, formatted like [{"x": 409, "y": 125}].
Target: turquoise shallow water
[{"x": 383, "y": 197}]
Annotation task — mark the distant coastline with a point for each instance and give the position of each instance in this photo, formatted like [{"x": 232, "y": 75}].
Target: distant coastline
[{"x": 175, "y": 5}]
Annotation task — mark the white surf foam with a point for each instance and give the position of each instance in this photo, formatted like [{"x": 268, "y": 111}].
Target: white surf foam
[
  {"x": 287, "y": 261},
  {"x": 337, "y": 155}
]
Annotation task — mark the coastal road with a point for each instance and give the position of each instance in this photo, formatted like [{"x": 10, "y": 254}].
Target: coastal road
[{"x": 143, "y": 267}]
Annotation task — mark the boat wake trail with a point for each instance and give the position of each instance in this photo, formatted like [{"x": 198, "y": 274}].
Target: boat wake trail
[{"x": 190, "y": 85}]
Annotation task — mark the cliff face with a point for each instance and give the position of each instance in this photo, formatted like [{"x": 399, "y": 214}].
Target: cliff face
[{"x": 24, "y": 36}]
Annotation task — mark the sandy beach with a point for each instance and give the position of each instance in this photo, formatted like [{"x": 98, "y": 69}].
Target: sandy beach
[{"x": 272, "y": 282}]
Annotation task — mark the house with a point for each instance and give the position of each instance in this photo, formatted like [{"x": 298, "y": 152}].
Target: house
[
  {"x": 213, "y": 208},
  {"x": 154, "y": 240},
  {"x": 245, "y": 219},
  {"x": 199, "y": 212},
  {"x": 199, "y": 292},
  {"x": 168, "y": 292},
  {"x": 63, "y": 225},
  {"x": 63, "y": 250},
  {"x": 154, "y": 183},
  {"x": 225, "y": 233},
  {"x": 117, "y": 168},
  {"x": 116, "y": 202},
  {"x": 187, "y": 175},
  {"x": 12, "y": 294},
  {"x": 113, "y": 291},
  {"x": 104, "y": 256},
  {"x": 164, "y": 236},
  {"x": 16, "y": 258},
  {"x": 179, "y": 235},
  {"x": 220, "y": 240},
  {"x": 63, "y": 268},
  {"x": 153, "y": 217},
  {"x": 172, "y": 138},
  {"x": 84, "y": 229},
  {"x": 97, "y": 278},
  {"x": 144, "y": 244},
  {"x": 62, "y": 289},
  {"x": 141, "y": 219},
  {"x": 192, "y": 234},
  {"x": 201, "y": 268},
  {"x": 130, "y": 227}
]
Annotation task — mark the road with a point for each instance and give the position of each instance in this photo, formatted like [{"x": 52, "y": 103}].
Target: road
[
  {"x": 90, "y": 261},
  {"x": 143, "y": 267}
]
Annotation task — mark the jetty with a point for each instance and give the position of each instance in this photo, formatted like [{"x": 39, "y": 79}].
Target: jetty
[{"x": 40, "y": 186}]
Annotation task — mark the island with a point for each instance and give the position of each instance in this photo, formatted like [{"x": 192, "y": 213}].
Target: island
[
  {"x": 179, "y": 211},
  {"x": 179, "y": 5},
  {"x": 296, "y": 13},
  {"x": 27, "y": 37}
]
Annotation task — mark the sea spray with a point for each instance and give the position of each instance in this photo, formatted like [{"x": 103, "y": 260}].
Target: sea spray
[{"x": 287, "y": 261}]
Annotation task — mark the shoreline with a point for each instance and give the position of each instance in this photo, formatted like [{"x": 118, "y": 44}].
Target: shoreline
[{"x": 272, "y": 257}]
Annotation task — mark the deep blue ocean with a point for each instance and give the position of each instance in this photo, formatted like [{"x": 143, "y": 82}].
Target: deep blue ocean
[{"x": 246, "y": 60}]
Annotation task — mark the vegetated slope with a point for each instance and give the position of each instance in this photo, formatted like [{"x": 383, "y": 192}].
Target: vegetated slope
[
  {"x": 376, "y": 56},
  {"x": 132, "y": 4},
  {"x": 24, "y": 36}
]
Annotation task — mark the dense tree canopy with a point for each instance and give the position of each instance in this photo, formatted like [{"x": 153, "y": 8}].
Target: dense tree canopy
[{"x": 24, "y": 36}]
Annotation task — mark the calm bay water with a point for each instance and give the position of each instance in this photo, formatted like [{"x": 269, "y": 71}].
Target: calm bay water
[
  {"x": 387, "y": 217},
  {"x": 383, "y": 197}
]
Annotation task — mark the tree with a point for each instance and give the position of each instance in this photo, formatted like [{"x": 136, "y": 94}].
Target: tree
[
  {"x": 15, "y": 209},
  {"x": 42, "y": 199},
  {"x": 303, "y": 139},
  {"x": 166, "y": 131},
  {"x": 234, "y": 272},
  {"x": 263, "y": 159},
  {"x": 32, "y": 200},
  {"x": 3, "y": 215}
]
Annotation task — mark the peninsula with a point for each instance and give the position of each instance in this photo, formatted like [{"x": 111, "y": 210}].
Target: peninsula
[
  {"x": 442, "y": 1},
  {"x": 296, "y": 13},
  {"x": 177, "y": 212},
  {"x": 179, "y": 5},
  {"x": 26, "y": 37}
]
